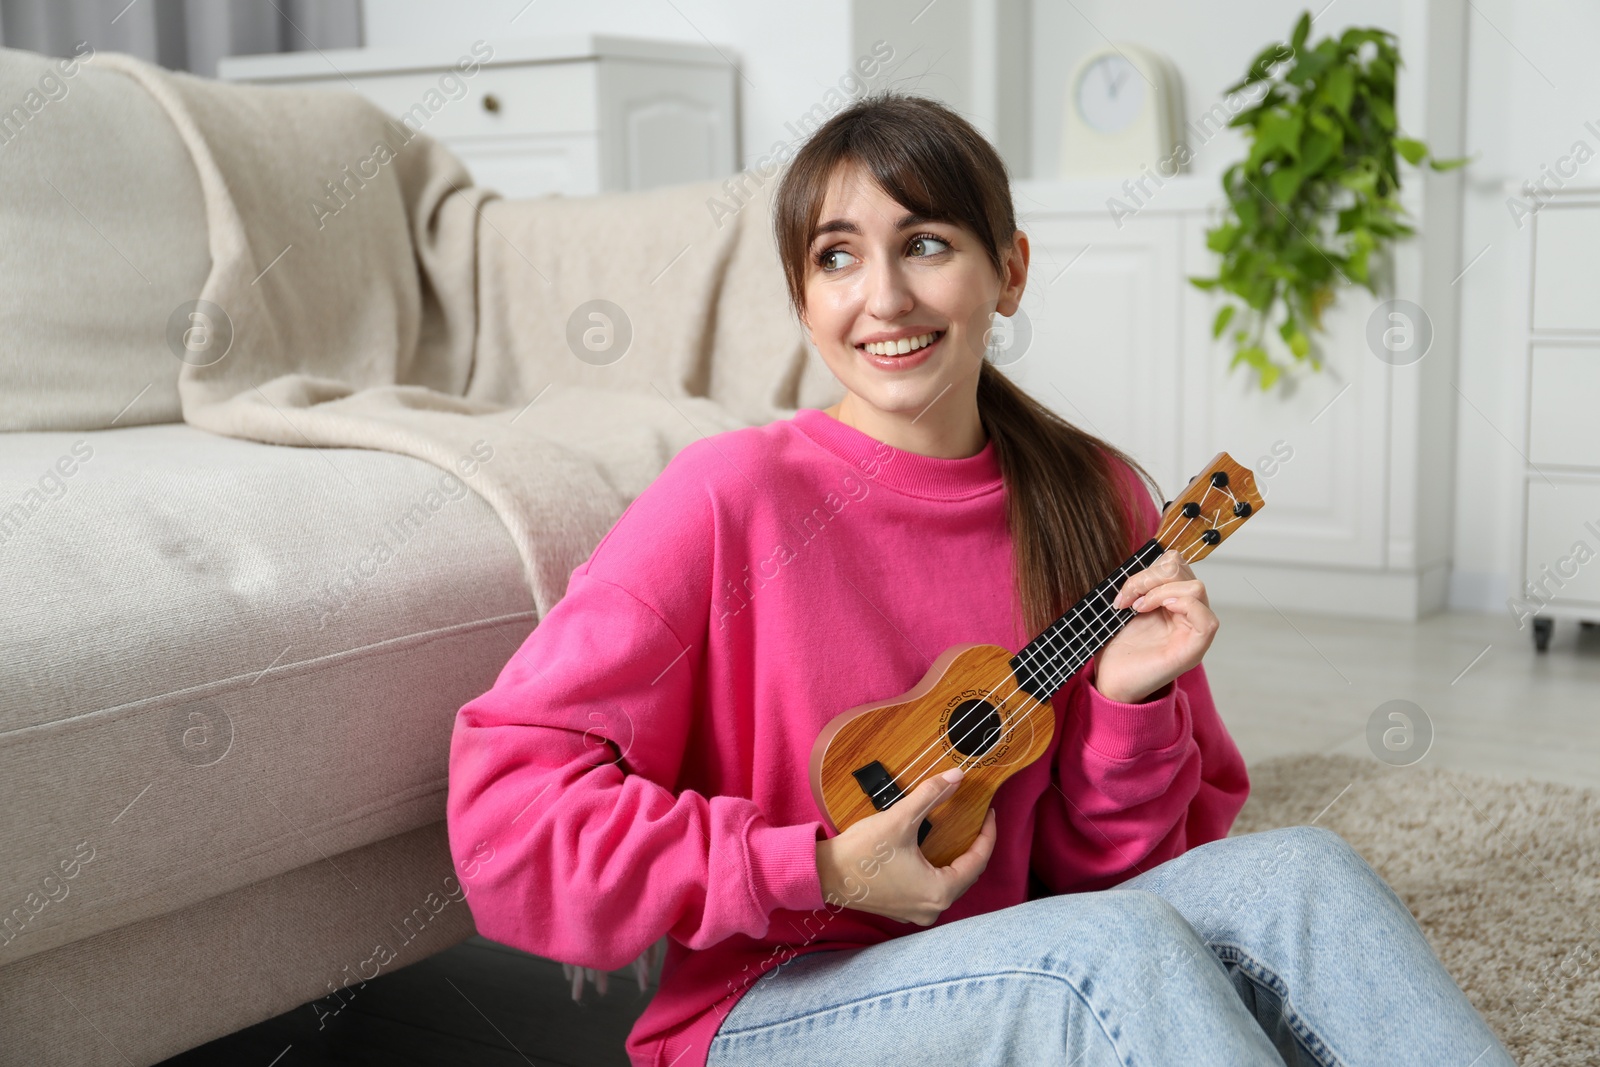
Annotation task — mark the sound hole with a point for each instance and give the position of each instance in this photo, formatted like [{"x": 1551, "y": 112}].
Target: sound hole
[{"x": 974, "y": 728}]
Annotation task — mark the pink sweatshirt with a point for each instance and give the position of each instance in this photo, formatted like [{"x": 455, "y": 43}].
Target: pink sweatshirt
[{"x": 640, "y": 766}]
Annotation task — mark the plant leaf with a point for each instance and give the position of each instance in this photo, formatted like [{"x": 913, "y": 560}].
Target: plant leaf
[
  {"x": 1222, "y": 319},
  {"x": 1254, "y": 355},
  {"x": 1283, "y": 182},
  {"x": 1298, "y": 343},
  {"x": 1222, "y": 238},
  {"x": 1383, "y": 110},
  {"x": 1412, "y": 150},
  {"x": 1339, "y": 88},
  {"x": 1278, "y": 132},
  {"x": 1360, "y": 179},
  {"x": 1302, "y": 27},
  {"x": 1317, "y": 148}
]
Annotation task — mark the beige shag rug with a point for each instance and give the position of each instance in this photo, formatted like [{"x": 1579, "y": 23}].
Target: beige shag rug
[{"x": 1503, "y": 876}]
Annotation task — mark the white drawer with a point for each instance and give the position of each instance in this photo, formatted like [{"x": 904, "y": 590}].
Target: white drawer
[
  {"x": 1562, "y": 559},
  {"x": 531, "y": 99},
  {"x": 1566, "y": 242},
  {"x": 1564, "y": 406},
  {"x": 521, "y": 167}
]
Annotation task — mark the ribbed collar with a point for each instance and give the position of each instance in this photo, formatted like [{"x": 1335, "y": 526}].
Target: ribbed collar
[{"x": 909, "y": 472}]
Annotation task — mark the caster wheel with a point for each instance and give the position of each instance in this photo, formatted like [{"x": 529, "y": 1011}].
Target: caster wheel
[{"x": 1542, "y": 628}]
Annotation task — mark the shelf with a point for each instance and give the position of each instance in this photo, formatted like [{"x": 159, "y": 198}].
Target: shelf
[
  {"x": 292, "y": 66},
  {"x": 1182, "y": 193}
]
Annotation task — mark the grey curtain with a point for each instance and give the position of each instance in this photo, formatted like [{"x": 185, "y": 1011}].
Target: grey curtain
[{"x": 180, "y": 34}]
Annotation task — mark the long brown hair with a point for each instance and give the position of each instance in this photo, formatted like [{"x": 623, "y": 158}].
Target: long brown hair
[{"x": 1067, "y": 511}]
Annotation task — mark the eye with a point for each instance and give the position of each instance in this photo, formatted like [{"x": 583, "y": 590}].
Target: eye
[
  {"x": 821, "y": 259},
  {"x": 923, "y": 238}
]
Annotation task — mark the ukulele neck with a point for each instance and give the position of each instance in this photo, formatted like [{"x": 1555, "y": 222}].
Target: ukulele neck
[{"x": 1045, "y": 663}]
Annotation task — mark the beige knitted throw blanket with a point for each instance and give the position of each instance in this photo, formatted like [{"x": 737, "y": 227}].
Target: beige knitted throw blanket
[{"x": 363, "y": 293}]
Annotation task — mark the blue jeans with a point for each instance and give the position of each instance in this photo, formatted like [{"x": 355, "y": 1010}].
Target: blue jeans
[{"x": 1276, "y": 948}]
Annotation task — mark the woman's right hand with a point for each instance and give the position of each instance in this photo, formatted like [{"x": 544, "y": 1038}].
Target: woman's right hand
[{"x": 876, "y": 865}]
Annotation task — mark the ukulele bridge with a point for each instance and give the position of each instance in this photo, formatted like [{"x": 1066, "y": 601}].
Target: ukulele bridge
[{"x": 882, "y": 790}]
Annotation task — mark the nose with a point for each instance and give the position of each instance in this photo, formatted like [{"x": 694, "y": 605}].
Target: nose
[{"x": 889, "y": 297}]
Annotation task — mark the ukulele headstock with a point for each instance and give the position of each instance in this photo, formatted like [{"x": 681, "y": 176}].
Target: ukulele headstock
[{"x": 1218, "y": 501}]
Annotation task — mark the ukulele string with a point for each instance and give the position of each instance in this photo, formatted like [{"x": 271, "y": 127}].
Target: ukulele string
[
  {"x": 1102, "y": 620},
  {"x": 1103, "y": 623},
  {"x": 1103, "y": 615},
  {"x": 1100, "y": 624}
]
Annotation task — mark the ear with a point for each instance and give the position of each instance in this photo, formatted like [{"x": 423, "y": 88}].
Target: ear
[{"x": 1016, "y": 278}]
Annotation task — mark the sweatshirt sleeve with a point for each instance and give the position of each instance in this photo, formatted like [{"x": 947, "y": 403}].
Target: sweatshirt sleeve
[
  {"x": 1134, "y": 785},
  {"x": 570, "y": 837}
]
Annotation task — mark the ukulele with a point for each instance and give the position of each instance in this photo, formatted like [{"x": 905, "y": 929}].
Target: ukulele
[{"x": 987, "y": 711}]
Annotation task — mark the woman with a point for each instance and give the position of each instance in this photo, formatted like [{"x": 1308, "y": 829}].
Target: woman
[{"x": 640, "y": 767}]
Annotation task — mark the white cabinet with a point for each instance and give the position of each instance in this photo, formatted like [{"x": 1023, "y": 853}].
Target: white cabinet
[
  {"x": 1557, "y": 535},
  {"x": 574, "y": 115},
  {"x": 1100, "y": 306},
  {"x": 1320, "y": 448}
]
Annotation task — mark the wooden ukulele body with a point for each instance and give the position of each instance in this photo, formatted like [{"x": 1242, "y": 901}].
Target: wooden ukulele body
[{"x": 967, "y": 711}]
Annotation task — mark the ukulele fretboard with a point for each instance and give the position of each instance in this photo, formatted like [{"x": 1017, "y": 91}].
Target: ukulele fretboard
[{"x": 1045, "y": 663}]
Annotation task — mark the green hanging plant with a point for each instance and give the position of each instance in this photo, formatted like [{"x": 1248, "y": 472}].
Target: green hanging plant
[{"x": 1323, "y": 141}]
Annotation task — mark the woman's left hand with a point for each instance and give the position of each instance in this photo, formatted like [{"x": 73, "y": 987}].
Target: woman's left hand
[{"x": 1170, "y": 634}]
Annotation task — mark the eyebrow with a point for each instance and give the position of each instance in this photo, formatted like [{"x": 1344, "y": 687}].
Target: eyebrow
[{"x": 846, "y": 226}]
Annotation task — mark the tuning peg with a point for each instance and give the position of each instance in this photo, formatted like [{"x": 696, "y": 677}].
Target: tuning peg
[
  {"x": 1219, "y": 479},
  {"x": 1242, "y": 509},
  {"x": 1211, "y": 537},
  {"x": 1191, "y": 510},
  {"x": 1167, "y": 505}
]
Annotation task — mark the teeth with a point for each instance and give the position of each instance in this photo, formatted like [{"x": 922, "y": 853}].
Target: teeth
[{"x": 900, "y": 347}]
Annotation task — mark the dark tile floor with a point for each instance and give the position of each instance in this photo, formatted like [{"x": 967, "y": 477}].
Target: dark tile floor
[{"x": 477, "y": 1003}]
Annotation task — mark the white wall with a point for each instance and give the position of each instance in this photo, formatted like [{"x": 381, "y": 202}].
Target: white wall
[{"x": 1530, "y": 87}]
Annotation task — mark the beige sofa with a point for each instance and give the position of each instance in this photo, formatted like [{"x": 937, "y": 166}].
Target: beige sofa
[{"x": 224, "y": 723}]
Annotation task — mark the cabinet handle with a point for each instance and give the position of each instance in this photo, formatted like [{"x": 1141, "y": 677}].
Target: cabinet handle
[{"x": 491, "y": 102}]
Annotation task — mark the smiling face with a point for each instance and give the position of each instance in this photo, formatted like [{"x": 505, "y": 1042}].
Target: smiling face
[{"x": 880, "y": 279}]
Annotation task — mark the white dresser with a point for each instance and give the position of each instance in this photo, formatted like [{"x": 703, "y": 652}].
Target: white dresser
[
  {"x": 1558, "y": 533},
  {"x": 576, "y": 115}
]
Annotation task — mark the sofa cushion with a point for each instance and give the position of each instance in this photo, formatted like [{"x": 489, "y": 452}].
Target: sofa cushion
[
  {"x": 104, "y": 233},
  {"x": 225, "y": 660}
]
